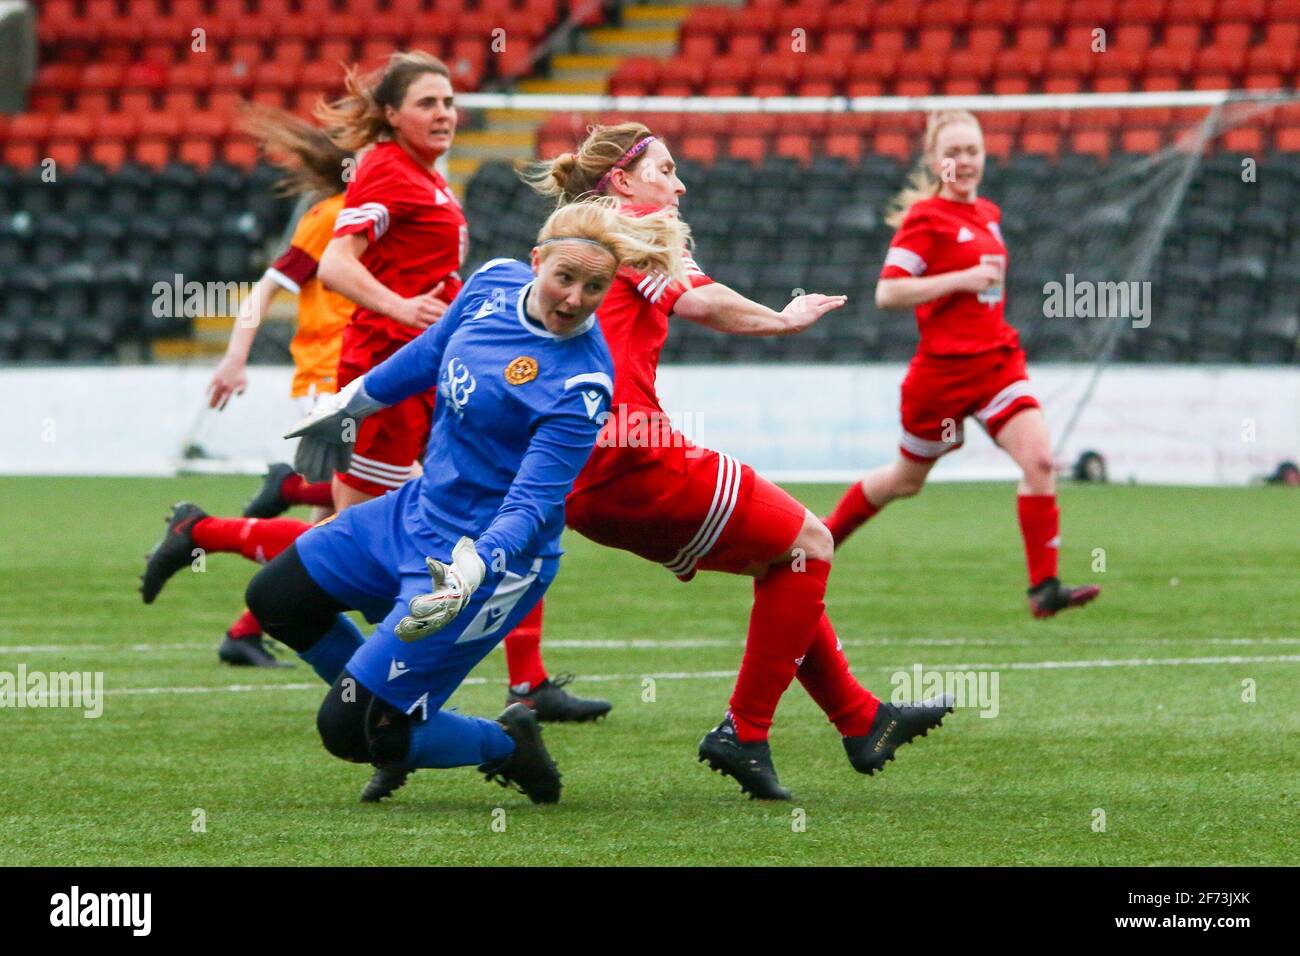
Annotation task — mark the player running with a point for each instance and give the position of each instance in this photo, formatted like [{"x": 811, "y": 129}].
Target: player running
[
  {"x": 314, "y": 167},
  {"x": 948, "y": 261},
  {"x": 524, "y": 380},
  {"x": 693, "y": 509}
]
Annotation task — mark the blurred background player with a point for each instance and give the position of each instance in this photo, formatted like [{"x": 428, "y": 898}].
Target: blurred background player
[
  {"x": 524, "y": 380},
  {"x": 314, "y": 167},
  {"x": 948, "y": 261},
  {"x": 693, "y": 509}
]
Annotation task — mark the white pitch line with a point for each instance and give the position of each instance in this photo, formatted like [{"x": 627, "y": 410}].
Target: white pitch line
[
  {"x": 643, "y": 644},
  {"x": 718, "y": 675}
]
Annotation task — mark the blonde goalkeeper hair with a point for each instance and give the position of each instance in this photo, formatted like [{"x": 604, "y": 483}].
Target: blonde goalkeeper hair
[
  {"x": 572, "y": 175},
  {"x": 357, "y": 119},
  {"x": 922, "y": 183},
  {"x": 655, "y": 243}
]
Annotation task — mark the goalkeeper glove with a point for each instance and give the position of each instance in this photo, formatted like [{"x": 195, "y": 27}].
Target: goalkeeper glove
[
  {"x": 329, "y": 432},
  {"x": 453, "y": 585}
]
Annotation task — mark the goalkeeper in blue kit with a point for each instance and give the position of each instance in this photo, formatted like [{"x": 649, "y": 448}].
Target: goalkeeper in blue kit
[{"x": 524, "y": 383}]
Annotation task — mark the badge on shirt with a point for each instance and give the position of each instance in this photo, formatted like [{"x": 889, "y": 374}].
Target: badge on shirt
[{"x": 522, "y": 370}]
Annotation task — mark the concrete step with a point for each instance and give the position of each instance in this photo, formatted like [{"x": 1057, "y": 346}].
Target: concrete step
[
  {"x": 185, "y": 350},
  {"x": 655, "y": 15},
  {"x": 584, "y": 61},
  {"x": 649, "y": 41}
]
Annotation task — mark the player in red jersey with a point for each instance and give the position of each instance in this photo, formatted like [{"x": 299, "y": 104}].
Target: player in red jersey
[
  {"x": 398, "y": 243},
  {"x": 666, "y": 499},
  {"x": 948, "y": 261}
]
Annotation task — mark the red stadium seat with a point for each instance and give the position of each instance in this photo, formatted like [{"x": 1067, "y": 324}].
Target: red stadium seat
[
  {"x": 1263, "y": 81},
  {"x": 1092, "y": 142},
  {"x": 1141, "y": 11},
  {"x": 897, "y": 145},
  {"x": 986, "y": 40},
  {"x": 831, "y": 70},
  {"x": 1017, "y": 62},
  {"x": 1140, "y": 140},
  {"x": 1270, "y": 59},
  {"x": 239, "y": 152},
  {"x": 102, "y": 76},
  {"x": 1163, "y": 83},
  {"x": 1121, "y": 62},
  {"x": 888, "y": 42},
  {"x": 30, "y": 127},
  {"x": 1232, "y": 35},
  {"x": 1033, "y": 39},
  {"x": 1283, "y": 35},
  {"x": 1131, "y": 36},
  {"x": 751, "y": 45},
  {"x": 699, "y": 46},
  {"x": 1074, "y": 64},
  {"x": 1048, "y": 13},
  {"x": 1004, "y": 13},
  {"x": 873, "y": 66},
  {"x": 748, "y": 148},
  {"x": 1112, "y": 84},
  {"x": 845, "y": 145},
  {"x": 922, "y": 65},
  {"x": 700, "y": 149},
  {"x": 1287, "y": 139},
  {"x": 1062, "y": 84},
  {"x": 896, "y": 15},
  {"x": 1245, "y": 139},
  {"x": 811, "y": 19},
  {"x": 950, "y": 14},
  {"x": 1212, "y": 81},
  {"x": 118, "y": 126},
  {"x": 960, "y": 87},
  {"x": 66, "y": 153},
  {"x": 864, "y": 86},
  {"x": 1217, "y": 59},
  {"x": 1183, "y": 36},
  {"x": 1284, "y": 10},
  {"x": 154, "y": 153},
  {"x": 969, "y": 65},
  {"x": 856, "y": 17},
  {"x": 1041, "y": 143},
  {"x": 21, "y": 155},
  {"x": 1010, "y": 85},
  {"x": 1190, "y": 11},
  {"x": 109, "y": 153},
  {"x": 913, "y": 86},
  {"x": 197, "y": 152},
  {"x": 936, "y": 39},
  {"x": 999, "y": 144},
  {"x": 1166, "y": 60}
]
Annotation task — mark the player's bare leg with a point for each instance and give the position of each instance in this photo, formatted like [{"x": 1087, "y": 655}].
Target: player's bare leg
[
  {"x": 1026, "y": 439},
  {"x": 864, "y": 500},
  {"x": 345, "y": 496}
]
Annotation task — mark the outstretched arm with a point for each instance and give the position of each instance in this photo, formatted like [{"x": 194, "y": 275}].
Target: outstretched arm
[
  {"x": 726, "y": 310},
  {"x": 230, "y": 377}
]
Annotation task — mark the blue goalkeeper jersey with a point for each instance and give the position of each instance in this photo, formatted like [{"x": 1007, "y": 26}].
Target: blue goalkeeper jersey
[{"x": 517, "y": 415}]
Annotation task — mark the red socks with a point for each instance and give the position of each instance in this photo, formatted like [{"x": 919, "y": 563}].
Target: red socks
[
  {"x": 854, "y": 509},
  {"x": 297, "y": 490},
  {"x": 524, "y": 650},
  {"x": 258, "y": 539},
  {"x": 1040, "y": 525},
  {"x": 245, "y": 626},
  {"x": 787, "y": 606},
  {"x": 825, "y": 675}
]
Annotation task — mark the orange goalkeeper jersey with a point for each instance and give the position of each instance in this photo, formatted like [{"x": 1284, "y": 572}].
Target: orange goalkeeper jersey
[{"x": 322, "y": 314}]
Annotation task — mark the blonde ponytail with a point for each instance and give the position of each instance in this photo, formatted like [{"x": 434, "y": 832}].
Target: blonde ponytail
[
  {"x": 921, "y": 182},
  {"x": 570, "y": 176},
  {"x": 656, "y": 243}
]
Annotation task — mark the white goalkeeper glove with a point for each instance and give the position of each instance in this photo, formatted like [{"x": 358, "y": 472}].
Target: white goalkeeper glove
[
  {"x": 453, "y": 585},
  {"x": 329, "y": 433}
]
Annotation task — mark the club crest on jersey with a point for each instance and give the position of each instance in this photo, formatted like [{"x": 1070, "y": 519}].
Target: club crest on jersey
[
  {"x": 522, "y": 370},
  {"x": 457, "y": 385}
]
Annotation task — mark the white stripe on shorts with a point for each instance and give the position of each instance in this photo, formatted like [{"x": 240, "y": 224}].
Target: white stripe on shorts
[
  {"x": 725, "y": 495},
  {"x": 1004, "y": 398}
]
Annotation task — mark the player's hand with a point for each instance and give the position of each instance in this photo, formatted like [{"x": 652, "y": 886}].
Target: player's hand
[
  {"x": 329, "y": 432},
  {"x": 230, "y": 379},
  {"x": 453, "y": 585},
  {"x": 421, "y": 311},
  {"x": 804, "y": 310},
  {"x": 978, "y": 278}
]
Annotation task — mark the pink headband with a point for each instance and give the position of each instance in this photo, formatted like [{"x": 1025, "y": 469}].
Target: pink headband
[{"x": 624, "y": 160}]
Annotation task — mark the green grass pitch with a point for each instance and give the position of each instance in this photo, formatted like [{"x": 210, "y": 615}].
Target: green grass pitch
[{"x": 1138, "y": 707}]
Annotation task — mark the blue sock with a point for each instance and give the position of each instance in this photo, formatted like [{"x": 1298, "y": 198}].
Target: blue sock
[
  {"x": 448, "y": 739},
  {"x": 331, "y": 653}
]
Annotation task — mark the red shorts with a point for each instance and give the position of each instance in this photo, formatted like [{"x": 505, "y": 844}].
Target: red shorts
[
  {"x": 686, "y": 507},
  {"x": 939, "y": 392},
  {"x": 391, "y": 442}
]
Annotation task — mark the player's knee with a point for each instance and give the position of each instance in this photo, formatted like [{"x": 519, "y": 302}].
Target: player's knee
[
  {"x": 815, "y": 541},
  {"x": 341, "y": 721},
  {"x": 1039, "y": 470},
  {"x": 907, "y": 485}
]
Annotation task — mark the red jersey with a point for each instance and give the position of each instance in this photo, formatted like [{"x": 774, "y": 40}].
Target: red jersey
[
  {"x": 942, "y": 235},
  {"x": 417, "y": 231}
]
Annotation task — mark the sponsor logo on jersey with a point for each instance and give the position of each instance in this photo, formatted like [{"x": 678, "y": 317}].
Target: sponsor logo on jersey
[
  {"x": 457, "y": 385},
  {"x": 396, "y": 669},
  {"x": 522, "y": 370},
  {"x": 964, "y": 235},
  {"x": 591, "y": 398}
]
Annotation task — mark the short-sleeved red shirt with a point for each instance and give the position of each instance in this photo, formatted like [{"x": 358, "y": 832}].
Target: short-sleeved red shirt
[
  {"x": 942, "y": 235},
  {"x": 417, "y": 230}
]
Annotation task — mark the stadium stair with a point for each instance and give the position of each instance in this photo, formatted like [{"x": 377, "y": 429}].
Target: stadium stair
[{"x": 646, "y": 30}]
